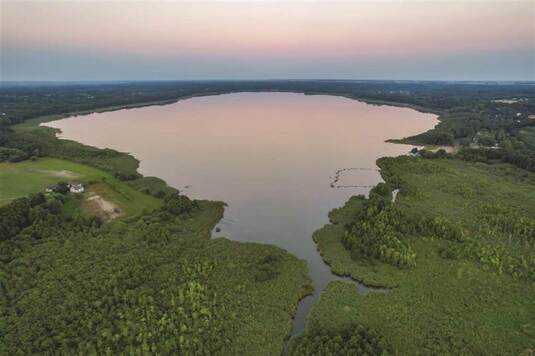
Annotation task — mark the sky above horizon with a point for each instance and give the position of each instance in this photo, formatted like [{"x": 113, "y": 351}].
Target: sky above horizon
[{"x": 174, "y": 40}]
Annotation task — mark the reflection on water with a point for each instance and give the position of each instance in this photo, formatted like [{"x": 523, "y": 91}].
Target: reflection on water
[{"x": 271, "y": 156}]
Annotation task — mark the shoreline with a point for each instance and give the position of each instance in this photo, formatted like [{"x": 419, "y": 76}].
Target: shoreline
[
  {"x": 33, "y": 122},
  {"x": 38, "y": 121}
]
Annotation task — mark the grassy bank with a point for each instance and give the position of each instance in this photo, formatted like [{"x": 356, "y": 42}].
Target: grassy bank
[
  {"x": 473, "y": 302},
  {"x": 21, "y": 179}
]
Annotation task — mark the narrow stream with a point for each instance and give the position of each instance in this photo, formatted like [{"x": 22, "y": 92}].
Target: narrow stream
[
  {"x": 306, "y": 303},
  {"x": 303, "y": 309}
]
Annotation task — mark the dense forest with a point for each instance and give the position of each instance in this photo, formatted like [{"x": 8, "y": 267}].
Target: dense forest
[
  {"x": 380, "y": 229},
  {"x": 354, "y": 340},
  {"x": 21, "y": 102},
  {"x": 156, "y": 284},
  {"x": 455, "y": 250}
]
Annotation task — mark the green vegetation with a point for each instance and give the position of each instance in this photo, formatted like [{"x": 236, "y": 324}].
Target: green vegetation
[
  {"x": 23, "y": 178},
  {"x": 471, "y": 228},
  {"x": 157, "y": 284},
  {"x": 333, "y": 327},
  {"x": 12, "y": 155},
  {"x": 377, "y": 233},
  {"x": 470, "y": 115},
  {"x": 457, "y": 248},
  {"x": 152, "y": 185},
  {"x": 37, "y": 141},
  {"x": 527, "y": 137},
  {"x": 152, "y": 283}
]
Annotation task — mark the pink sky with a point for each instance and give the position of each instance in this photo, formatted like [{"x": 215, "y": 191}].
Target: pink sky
[
  {"x": 270, "y": 27},
  {"x": 319, "y": 29}
]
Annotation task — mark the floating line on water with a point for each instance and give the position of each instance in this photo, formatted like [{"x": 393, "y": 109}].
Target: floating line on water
[
  {"x": 336, "y": 178},
  {"x": 352, "y": 186}
]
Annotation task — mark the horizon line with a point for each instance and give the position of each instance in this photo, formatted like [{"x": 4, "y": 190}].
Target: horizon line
[{"x": 116, "y": 81}]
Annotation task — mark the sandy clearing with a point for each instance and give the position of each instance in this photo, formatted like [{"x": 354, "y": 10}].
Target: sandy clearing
[{"x": 107, "y": 208}]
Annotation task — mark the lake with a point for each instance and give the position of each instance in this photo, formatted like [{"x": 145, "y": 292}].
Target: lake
[{"x": 272, "y": 157}]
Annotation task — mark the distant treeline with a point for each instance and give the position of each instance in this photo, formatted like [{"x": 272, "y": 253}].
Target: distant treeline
[
  {"x": 19, "y": 103},
  {"x": 470, "y": 114}
]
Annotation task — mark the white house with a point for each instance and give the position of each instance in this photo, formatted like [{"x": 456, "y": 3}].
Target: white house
[{"x": 76, "y": 188}]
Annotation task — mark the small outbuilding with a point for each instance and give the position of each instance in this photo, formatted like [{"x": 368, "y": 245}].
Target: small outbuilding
[{"x": 76, "y": 188}]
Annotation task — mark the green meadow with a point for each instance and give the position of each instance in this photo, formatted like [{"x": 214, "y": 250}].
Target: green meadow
[{"x": 23, "y": 178}]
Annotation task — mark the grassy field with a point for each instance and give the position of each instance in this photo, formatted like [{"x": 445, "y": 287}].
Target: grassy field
[
  {"x": 442, "y": 305},
  {"x": 23, "y": 178},
  {"x": 527, "y": 135},
  {"x": 42, "y": 142}
]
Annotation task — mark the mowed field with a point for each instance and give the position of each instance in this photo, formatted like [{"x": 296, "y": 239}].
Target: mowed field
[{"x": 20, "y": 179}]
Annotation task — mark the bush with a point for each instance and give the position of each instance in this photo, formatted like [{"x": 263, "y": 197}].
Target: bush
[
  {"x": 377, "y": 233},
  {"x": 267, "y": 268},
  {"x": 177, "y": 204},
  {"x": 12, "y": 155},
  {"x": 353, "y": 340},
  {"x": 382, "y": 189}
]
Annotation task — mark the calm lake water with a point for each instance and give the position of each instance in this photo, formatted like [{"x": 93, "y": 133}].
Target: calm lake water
[{"x": 271, "y": 156}]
